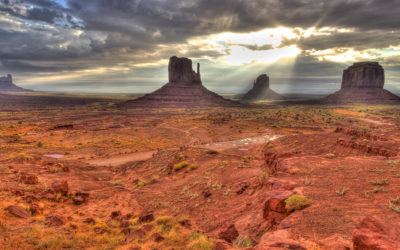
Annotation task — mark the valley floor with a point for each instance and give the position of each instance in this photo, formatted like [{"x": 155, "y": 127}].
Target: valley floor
[{"x": 79, "y": 172}]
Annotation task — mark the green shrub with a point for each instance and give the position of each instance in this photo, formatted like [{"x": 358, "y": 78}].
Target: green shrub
[
  {"x": 180, "y": 165},
  {"x": 297, "y": 202},
  {"x": 263, "y": 176},
  {"x": 193, "y": 166},
  {"x": 243, "y": 242}
]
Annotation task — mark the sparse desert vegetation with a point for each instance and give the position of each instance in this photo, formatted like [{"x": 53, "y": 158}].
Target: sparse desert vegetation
[{"x": 188, "y": 179}]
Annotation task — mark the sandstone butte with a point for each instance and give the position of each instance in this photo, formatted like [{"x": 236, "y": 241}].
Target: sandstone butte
[
  {"x": 363, "y": 83},
  {"x": 6, "y": 84},
  {"x": 184, "y": 89},
  {"x": 261, "y": 91}
]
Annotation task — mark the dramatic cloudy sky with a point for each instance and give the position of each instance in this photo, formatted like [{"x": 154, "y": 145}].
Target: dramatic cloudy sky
[{"x": 124, "y": 45}]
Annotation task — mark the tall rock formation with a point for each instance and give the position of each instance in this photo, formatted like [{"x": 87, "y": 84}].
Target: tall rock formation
[
  {"x": 6, "y": 84},
  {"x": 261, "y": 91},
  {"x": 364, "y": 75},
  {"x": 363, "y": 83},
  {"x": 180, "y": 71},
  {"x": 184, "y": 89}
]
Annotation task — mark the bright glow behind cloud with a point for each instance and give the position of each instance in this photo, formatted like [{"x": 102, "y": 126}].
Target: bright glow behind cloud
[
  {"x": 261, "y": 46},
  {"x": 241, "y": 55}
]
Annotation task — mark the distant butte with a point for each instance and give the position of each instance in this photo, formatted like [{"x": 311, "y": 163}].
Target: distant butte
[
  {"x": 363, "y": 83},
  {"x": 261, "y": 91},
  {"x": 184, "y": 89},
  {"x": 6, "y": 84}
]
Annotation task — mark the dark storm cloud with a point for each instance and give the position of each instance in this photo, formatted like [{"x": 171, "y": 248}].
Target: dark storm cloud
[
  {"x": 44, "y": 35},
  {"x": 14, "y": 65},
  {"x": 39, "y": 10},
  {"x": 185, "y": 18},
  {"x": 137, "y": 24}
]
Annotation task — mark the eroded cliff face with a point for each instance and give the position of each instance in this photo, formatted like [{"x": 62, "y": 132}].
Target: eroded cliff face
[
  {"x": 363, "y": 75},
  {"x": 180, "y": 71}
]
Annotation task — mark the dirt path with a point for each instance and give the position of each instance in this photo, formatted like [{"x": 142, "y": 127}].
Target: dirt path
[
  {"x": 121, "y": 159},
  {"x": 359, "y": 115},
  {"x": 240, "y": 143},
  {"x": 218, "y": 146}
]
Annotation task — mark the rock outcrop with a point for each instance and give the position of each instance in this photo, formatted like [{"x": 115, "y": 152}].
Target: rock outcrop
[
  {"x": 363, "y": 83},
  {"x": 6, "y": 84},
  {"x": 261, "y": 91},
  {"x": 374, "y": 233},
  {"x": 184, "y": 89}
]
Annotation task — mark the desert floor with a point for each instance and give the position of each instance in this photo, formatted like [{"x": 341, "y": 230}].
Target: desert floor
[{"x": 173, "y": 178}]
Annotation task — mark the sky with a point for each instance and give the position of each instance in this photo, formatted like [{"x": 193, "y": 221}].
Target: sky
[{"x": 123, "y": 46}]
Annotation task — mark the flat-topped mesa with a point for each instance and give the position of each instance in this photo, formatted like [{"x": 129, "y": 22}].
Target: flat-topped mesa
[
  {"x": 180, "y": 71},
  {"x": 363, "y": 75},
  {"x": 363, "y": 83}
]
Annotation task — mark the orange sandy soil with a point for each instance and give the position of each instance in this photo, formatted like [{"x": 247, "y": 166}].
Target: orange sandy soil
[{"x": 128, "y": 162}]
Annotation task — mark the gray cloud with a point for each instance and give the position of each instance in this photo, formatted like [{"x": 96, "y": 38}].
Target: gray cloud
[
  {"x": 45, "y": 36},
  {"x": 357, "y": 40}
]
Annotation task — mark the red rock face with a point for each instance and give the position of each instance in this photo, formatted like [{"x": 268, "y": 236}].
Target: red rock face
[
  {"x": 228, "y": 232},
  {"x": 363, "y": 75},
  {"x": 374, "y": 233},
  {"x": 180, "y": 71}
]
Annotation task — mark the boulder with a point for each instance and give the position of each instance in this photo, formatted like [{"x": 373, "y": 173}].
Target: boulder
[
  {"x": 157, "y": 237},
  {"x": 276, "y": 201},
  {"x": 147, "y": 228},
  {"x": 274, "y": 210},
  {"x": 146, "y": 218},
  {"x": 374, "y": 233},
  {"x": 116, "y": 214},
  {"x": 89, "y": 220},
  {"x": 55, "y": 220},
  {"x": 124, "y": 223},
  {"x": 221, "y": 245},
  {"x": 36, "y": 209},
  {"x": 80, "y": 198},
  {"x": 60, "y": 187},
  {"x": 228, "y": 232},
  {"x": 279, "y": 239},
  {"x": 29, "y": 179},
  {"x": 136, "y": 235},
  {"x": 335, "y": 242},
  {"x": 18, "y": 211}
]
